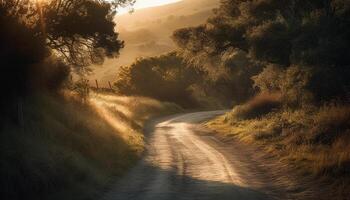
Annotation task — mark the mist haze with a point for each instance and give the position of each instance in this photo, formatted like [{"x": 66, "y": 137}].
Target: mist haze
[{"x": 147, "y": 32}]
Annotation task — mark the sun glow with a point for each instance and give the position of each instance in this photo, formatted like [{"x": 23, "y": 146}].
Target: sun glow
[{"x": 140, "y": 4}]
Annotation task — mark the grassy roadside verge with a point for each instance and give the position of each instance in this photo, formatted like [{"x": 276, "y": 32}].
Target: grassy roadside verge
[
  {"x": 70, "y": 150},
  {"x": 314, "y": 141}
]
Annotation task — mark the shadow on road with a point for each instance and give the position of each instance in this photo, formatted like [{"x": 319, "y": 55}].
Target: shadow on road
[{"x": 148, "y": 182}]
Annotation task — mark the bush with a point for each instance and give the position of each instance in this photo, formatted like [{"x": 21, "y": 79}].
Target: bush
[
  {"x": 166, "y": 78},
  {"x": 291, "y": 83},
  {"x": 258, "y": 106}
]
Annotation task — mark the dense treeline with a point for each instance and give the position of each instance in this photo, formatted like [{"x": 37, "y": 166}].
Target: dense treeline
[
  {"x": 283, "y": 64},
  {"x": 297, "y": 48},
  {"x": 170, "y": 77},
  {"x": 302, "y": 45}
]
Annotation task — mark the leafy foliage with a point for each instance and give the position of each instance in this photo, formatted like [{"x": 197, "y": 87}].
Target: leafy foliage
[
  {"x": 166, "y": 77},
  {"x": 313, "y": 35},
  {"x": 291, "y": 83},
  {"x": 80, "y": 31}
]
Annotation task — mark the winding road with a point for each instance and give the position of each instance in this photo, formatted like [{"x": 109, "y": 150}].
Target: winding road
[{"x": 183, "y": 161}]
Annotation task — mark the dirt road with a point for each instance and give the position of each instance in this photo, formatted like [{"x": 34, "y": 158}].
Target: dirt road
[{"x": 183, "y": 161}]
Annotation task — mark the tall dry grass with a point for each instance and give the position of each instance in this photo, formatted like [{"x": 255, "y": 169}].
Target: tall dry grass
[{"x": 70, "y": 150}]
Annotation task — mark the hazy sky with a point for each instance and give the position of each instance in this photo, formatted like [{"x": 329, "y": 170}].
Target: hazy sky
[{"x": 147, "y": 3}]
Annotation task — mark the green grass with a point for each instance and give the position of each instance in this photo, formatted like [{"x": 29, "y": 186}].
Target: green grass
[
  {"x": 70, "y": 150},
  {"x": 316, "y": 141}
]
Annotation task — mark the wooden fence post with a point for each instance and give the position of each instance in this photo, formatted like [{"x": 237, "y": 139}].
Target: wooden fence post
[{"x": 96, "y": 84}]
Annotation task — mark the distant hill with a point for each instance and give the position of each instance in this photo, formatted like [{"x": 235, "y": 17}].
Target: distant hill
[{"x": 147, "y": 32}]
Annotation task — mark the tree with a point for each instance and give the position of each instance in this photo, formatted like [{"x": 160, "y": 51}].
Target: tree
[
  {"x": 41, "y": 41},
  {"x": 81, "y": 32},
  {"x": 285, "y": 33}
]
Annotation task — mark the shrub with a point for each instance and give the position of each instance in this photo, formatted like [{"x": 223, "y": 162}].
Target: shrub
[
  {"x": 291, "y": 83},
  {"x": 258, "y": 106},
  {"x": 166, "y": 78}
]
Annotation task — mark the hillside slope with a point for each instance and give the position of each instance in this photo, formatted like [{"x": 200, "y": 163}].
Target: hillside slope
[
  {"x": 69, "y": 150},
  {"x": 147, "y": 32}
]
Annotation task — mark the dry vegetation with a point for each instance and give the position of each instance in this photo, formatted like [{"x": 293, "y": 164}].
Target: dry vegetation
[
  {"x": 70, "y": 150},
  {"x": 313, "y": 140},
  {"x": 258, "y": 106}
]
